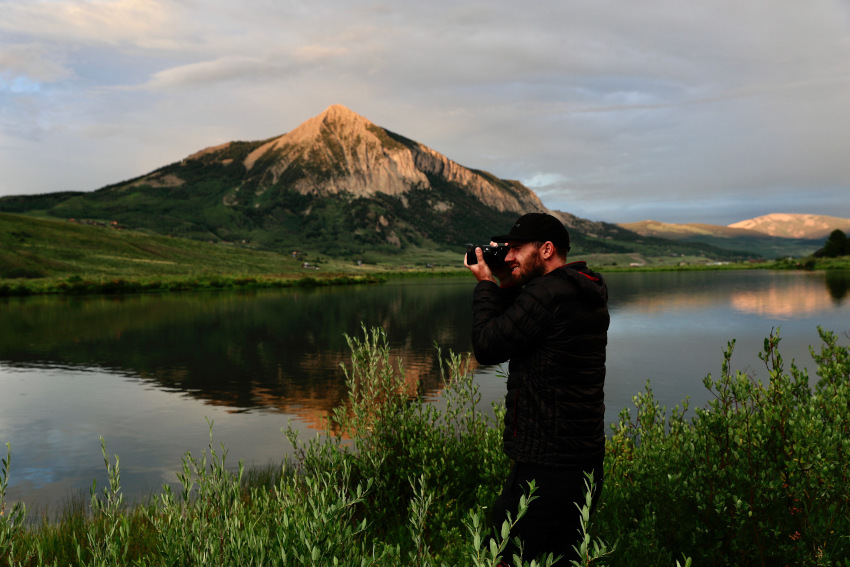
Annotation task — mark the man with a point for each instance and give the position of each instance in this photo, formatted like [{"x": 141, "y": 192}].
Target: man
[{"x": 550, "y": 319}]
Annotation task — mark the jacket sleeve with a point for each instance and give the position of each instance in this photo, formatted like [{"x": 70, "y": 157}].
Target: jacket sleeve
[{"x": 506, "y": 321}]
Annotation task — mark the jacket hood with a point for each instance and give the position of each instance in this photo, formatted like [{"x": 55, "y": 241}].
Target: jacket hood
[{"x": 589, "y": 283}]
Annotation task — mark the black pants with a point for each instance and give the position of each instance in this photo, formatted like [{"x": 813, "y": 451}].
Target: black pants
[{"x": 552, "y": 522}]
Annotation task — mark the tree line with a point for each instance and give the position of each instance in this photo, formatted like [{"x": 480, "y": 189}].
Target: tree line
[{"x": 838, "y": 244}]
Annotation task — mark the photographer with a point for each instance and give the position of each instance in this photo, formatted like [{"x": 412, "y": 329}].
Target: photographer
[{"x": 550, "y": 319}]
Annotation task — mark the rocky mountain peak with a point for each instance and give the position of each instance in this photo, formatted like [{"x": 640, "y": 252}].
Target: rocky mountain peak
[
  {"x": 340, "y": 151},
  {"x": 336, "y": 119},
  {"x": 340, "y": 114}
]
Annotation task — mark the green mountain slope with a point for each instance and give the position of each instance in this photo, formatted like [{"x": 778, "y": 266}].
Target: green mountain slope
[{"x": 34, "y": 248}]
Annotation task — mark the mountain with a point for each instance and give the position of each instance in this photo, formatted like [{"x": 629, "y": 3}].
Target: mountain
[
  {"x": 770, "y": 236},
  {"x": 337, "y": 184},
  {"x": 812, "y": 227}
]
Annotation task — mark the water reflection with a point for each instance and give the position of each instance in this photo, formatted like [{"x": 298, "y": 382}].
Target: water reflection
[
  {"x": 780, "y": 295},
  {"x": 838, "y": 283},
  {"x": 782, "y": 303},
  {"x": 271, "y": 351},
  {"x": 145, "y": 371}
]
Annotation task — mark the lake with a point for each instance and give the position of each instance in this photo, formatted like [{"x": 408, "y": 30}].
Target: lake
[{"x": 147, "y": 371}]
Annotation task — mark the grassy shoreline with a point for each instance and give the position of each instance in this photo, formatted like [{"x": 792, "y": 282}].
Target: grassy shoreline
[
  {"x": 76, "y": 285},
  {"x": 107, "y": 284}
]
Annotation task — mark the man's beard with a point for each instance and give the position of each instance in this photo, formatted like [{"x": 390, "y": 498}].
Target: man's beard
[{"x": 533, "y": 269}]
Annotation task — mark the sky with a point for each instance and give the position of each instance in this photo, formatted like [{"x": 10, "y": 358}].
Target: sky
[{"x": 619, "y": 111}]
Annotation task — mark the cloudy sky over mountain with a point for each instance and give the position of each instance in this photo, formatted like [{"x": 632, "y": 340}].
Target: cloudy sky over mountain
[{"x": 713, "y": 111}]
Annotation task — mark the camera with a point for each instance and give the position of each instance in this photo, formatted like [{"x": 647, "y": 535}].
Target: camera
[{"x": 494, "y": 256}]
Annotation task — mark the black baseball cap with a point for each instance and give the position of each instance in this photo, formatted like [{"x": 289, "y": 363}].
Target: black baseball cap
[{"x": 538, "y": 227}]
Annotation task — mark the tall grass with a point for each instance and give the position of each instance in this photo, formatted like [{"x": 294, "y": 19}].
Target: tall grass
[{"x": 757, "y": 477}]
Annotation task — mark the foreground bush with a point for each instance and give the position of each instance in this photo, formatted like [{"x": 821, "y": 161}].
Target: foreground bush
[{"x": 757, "y": 477}]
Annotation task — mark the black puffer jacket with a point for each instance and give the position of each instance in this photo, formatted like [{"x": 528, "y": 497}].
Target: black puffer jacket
[{"x": 554, "y": 332}]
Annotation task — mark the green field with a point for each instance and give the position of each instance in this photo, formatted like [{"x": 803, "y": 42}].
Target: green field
[{"x": 43, "y": 256}]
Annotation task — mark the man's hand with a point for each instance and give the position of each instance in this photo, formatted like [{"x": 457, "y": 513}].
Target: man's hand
[{"x": 481, "y": 270}]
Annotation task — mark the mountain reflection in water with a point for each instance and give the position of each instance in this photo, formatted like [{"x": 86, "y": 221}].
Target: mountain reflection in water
[
  {"x": 781, "y": 295},
  {"x": 784, "y": 302},
  {"x": 265, "y": 350}
]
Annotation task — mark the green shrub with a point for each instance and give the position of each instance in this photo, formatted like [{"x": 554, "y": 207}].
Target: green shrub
[
  {"x": 401, "y": 445},
  {"x": 758, "y": 477}
]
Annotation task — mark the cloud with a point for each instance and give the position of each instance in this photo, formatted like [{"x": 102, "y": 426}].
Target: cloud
[
  {"x": 30, "y": 62},
  {"x": 272, "y": 67},
  {"x": 232, "y": 68},
  {"x": 602, "y": 106},
  {"x": 319, "y": 53},
  {"x": 91, "y": 21},
  {"x": 544, "y": 180}
]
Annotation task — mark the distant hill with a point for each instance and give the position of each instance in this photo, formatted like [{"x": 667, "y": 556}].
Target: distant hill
[
  {"x": 682, "y": 231},
  {"x": 770, "y": 236},
  {"x": 338, "y": 185},
  {"x": 811, "y": 227}
]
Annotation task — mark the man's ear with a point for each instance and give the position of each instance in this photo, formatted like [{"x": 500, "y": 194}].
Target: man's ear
[{"x": 547, "y": 250}]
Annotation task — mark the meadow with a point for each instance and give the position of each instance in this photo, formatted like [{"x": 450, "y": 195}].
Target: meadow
[{"x": 39, "y": 256}]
